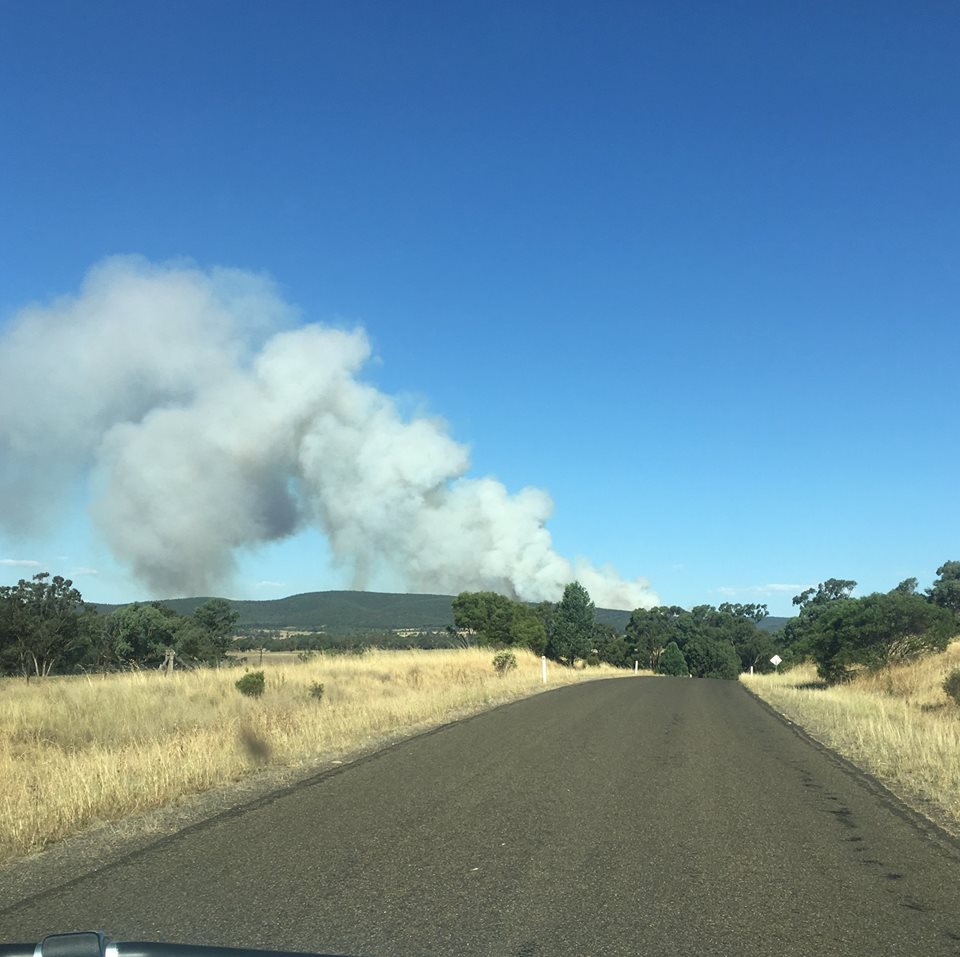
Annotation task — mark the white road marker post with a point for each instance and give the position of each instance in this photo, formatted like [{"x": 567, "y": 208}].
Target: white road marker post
[
  {"x": 543, "y": 667},
  {"x": 636, "y": 667}
]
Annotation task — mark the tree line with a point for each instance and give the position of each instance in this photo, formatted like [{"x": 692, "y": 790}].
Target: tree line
[
  {"x": 844, "y": 635},
  {"x": 47, "y": 628},
  {"x": 840, "y": 634},
  {"x": 712, "y": 642}
]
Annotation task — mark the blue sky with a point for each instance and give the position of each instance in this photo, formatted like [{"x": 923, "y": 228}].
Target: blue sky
[{"x": 692, "y": 268}]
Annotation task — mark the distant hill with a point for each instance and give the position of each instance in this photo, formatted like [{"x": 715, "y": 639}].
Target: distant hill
[
  {"x": 772, "y": 623},
  {"x": 331, "y": 611},
  {"x": 353, "y": 611}
]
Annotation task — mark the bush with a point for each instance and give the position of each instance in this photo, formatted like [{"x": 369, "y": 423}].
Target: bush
[
  {"x": 316, "y": 690},
  {"x": 712, "y": 658},
  {"x": 251, "y": 684},
  {"x": 849, "y": 634},
  {"x": 672, "y": 661},
  {"x": 504, "y": 661},
  {"x": 952, "y": 685}
]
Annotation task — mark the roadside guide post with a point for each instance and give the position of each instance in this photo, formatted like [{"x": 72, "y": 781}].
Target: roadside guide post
[
  {"x": 775, "y": 661},
  {"x": 636, "y": 667},
  {"x": 543, "y": 667}
]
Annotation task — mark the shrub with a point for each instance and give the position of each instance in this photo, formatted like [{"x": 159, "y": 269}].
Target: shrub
[
  {"x": 952, "y": 685},
  {"x": 306, "y": 655},
  {"x": 504, "y": 661},
  {"x": 711, "y": 658},
  {"x": 316, "y": 690},
  {"x": 251, "y": 684},
  {"x": 850, "y": 634},
  {"x": 672, "y": 661}
]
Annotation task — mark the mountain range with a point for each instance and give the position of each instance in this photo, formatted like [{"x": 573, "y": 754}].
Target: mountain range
[{"x": 357, "y": 611}]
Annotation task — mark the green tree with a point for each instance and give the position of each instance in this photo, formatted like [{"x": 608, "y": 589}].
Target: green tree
[
  {"x": 876, "y": 630},
  {"x": 672, "y": 661},
  {"x": 499, "y": 621},
  {"x": 138, "y": 635},
  {"x": 611, "y": 647},
  {"x": 755, "y": 651},
  {"x": 755, "y": 613},
  {"x": 946, "y": 589},
  {"x": 572, "y": 625},
  {"x": 527, "y": 629},
  {"x": 833, "y": 589},
  {"x": 650, "y": 630},
  {"x": 488, "y": 614},
  {"x": 42, "y": 625},
  {"x": 711, "y": 658},
  {"x": 218, "y": 620},
  {"x": 798, "y": 632}
]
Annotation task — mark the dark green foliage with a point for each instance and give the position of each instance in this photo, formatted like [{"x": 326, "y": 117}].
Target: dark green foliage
[
  {"x": 650, "y": 630},
  {"x": 252, "y": 684},
  {"x": 316, "y": 690},
  {"x": 711, "y": 658},
  {"x": 951, "y": 685},
  {"x": 572, "y": 625},
  {"x": 138, "y": 635},
  {"x": 504, "y": 662},
  {"x": 499, "y": 621},
  {"x": 946, "y": 589},
  {"x": 672, "y": 661},
  {"x": 832, "y": 589},
  {"x": 611, "y": 647},
  {"x": 874, "y": 631},
  {"x": 724, "y": 640},
  {"x": 44, "y": 626},
  {"x": 754, "y": 613}
]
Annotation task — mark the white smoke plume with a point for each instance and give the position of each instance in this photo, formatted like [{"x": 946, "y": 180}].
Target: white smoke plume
[{"x": 212, "y": 421}]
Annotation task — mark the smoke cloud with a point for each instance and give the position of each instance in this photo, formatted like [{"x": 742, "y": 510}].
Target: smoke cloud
[{"x": 210, "y": 420}]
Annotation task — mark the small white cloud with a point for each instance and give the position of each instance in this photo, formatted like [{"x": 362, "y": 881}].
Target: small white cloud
[
  {"x": 19, "y": 563},
  {"x": 726, "y": 590},
  {"x": 84, "y": 571},
  {"x": 270, "y": 584}
]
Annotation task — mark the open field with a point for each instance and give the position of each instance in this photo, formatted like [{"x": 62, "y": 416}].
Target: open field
[
  {"x": 75, "y": 752},
  {"x": 897, "y": 723}
]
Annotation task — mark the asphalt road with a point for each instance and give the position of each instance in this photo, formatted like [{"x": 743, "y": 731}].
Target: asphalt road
[{"x": 633, "y": 816}]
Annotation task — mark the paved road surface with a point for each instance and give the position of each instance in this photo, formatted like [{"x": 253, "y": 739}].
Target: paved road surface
[{"x": 624, "y": 817}]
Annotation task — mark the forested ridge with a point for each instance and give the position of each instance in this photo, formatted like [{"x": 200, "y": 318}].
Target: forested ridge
[{"x": 47, "y": 628}]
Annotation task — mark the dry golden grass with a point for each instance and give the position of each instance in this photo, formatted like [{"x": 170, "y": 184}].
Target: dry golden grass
[
  {"x": 75, "y": 752},
  {"x": 897, "y": 723}
]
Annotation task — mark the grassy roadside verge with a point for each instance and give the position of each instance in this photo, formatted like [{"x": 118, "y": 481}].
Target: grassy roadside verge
[
  {"x": 896, "y": 723},
  {"x": 78, "y": 752}
]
